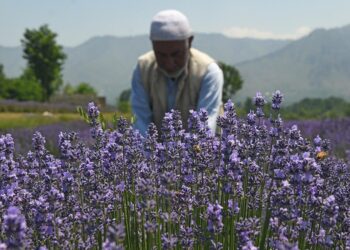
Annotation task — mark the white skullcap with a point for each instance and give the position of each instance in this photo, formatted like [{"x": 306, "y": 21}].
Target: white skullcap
[{"x": 170, "y": 25}]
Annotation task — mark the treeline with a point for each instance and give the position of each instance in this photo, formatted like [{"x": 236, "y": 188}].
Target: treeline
[
  {"x": 26, "y": 87},
  {"x": 23, "y": 88},
  {"x": 42, "y": 77},
  {"x": 308, "y": 108}
]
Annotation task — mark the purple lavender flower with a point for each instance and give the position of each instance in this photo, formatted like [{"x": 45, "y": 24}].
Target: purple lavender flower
[
  {"x": 214, "y": 214},
  {"x": 6, "y": 145},
  {"x": 93, "y": 111},
  {"x": 168, "y": 241},
  {"x": 233, "y": 207},
  {"x": 172, "y": 126},
  {"x": 317, "y": 141},
  {"x": 115, "y": 237},
  {"x": 251, "y": 118},
  {"x": 249, "y": 246},
  {"x": 246, "y": 231},
  {"x": 14, "y": 227},
  {"x": 228, "y": 121},
  {"x": 331, "y": 210},
  {"x": 277, "y": 98},
  {"x": 65, "y": 141},
  {"x": 187, "y": 237},
  {"x": 259, "y": 100},
  {"x": 38, "y": 142}
]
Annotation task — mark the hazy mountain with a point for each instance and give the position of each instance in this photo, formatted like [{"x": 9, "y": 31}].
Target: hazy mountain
[
  {"x": 107, "y": 62},
  {"x": 315, "y": 66},
  {"x": 11, "y": 58}
]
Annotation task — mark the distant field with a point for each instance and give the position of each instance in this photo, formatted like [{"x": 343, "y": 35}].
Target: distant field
[
  {"x": 22, "y": 126},
  {"x": 32, "y": 120}
]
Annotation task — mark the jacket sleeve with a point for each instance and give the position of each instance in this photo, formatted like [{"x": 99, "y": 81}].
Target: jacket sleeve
[
  {"x": 140, "y": 103},
  {"x": 210, "y": 95}
]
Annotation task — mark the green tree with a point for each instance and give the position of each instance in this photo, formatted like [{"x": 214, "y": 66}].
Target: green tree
[
  {"x": 68, "y": 89},
  {"x": 232, "y": 81},
  {"x": 2, "y": 81},
  {"x": 24, "y": 88},
  {"x": 29, "y": 87},
  {"x": 248, "y": 105},
  {"x": 123, "y": 102},
  {"x": 44, "y": 57},
  {"x": 125, "y": 95},
  {"x": 2, "y": 74},
  {"x": 84, "y": 88}
]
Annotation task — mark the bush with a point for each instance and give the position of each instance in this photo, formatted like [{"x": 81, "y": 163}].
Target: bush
[
  {"x": 21, "y": 89},
  {"x": 82, "y": 88}
]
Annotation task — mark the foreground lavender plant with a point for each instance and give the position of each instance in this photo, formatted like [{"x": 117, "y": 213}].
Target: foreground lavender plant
[
  {"x": 14, "y": 227},
  {"x": 257, "y": 185},
  {"x": 336, "y": 130}
]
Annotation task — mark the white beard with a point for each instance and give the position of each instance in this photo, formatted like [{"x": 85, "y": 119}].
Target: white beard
[{"x": 176, "y": 74}]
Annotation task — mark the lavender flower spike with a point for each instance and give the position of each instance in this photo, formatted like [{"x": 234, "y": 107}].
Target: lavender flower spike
[
  {"x": 277, "y": 98},
  {"x": 14, "y": 227},
  {"x": 259, "y": 100},
  {"x": 93, "y": 111},
  {"x": 214, "y": 213}
]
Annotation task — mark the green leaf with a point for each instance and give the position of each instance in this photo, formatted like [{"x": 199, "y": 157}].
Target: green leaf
[
  {"x": 102, "y": 121},
  {"x": 83, "y": 114}
]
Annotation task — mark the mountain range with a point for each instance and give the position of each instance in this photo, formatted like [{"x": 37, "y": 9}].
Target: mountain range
[{"x": 317, "y": 65}]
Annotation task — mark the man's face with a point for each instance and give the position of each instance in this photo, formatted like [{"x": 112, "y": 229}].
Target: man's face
[{"x": 172, "y": 56}]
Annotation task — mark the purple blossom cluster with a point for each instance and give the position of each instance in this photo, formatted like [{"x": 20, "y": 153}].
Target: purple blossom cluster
[
  {"x": 254, "y": 185},
  {"x": 50, "y": 132},
  {"x": 336, "y": 130}
]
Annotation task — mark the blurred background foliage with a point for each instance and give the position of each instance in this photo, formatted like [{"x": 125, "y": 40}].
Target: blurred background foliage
[{"x": 306, "y": 109}]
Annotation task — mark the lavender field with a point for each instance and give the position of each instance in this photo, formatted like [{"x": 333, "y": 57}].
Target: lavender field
[
  {"x": 337, "y": 131},
  {"x": 256, "y": 185},
  {"x": 22, "y": 136}
]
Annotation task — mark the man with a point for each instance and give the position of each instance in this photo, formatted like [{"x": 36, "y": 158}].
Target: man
[{"x": 174, "y": 75}]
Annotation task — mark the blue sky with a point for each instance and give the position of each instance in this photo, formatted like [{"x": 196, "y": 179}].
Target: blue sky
[{"x": 75, "y": 21}]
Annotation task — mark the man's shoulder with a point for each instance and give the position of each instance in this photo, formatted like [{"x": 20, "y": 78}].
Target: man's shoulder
[
  {"x": 147, "y": 56},
  {"x": 201, "y": 57}
]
